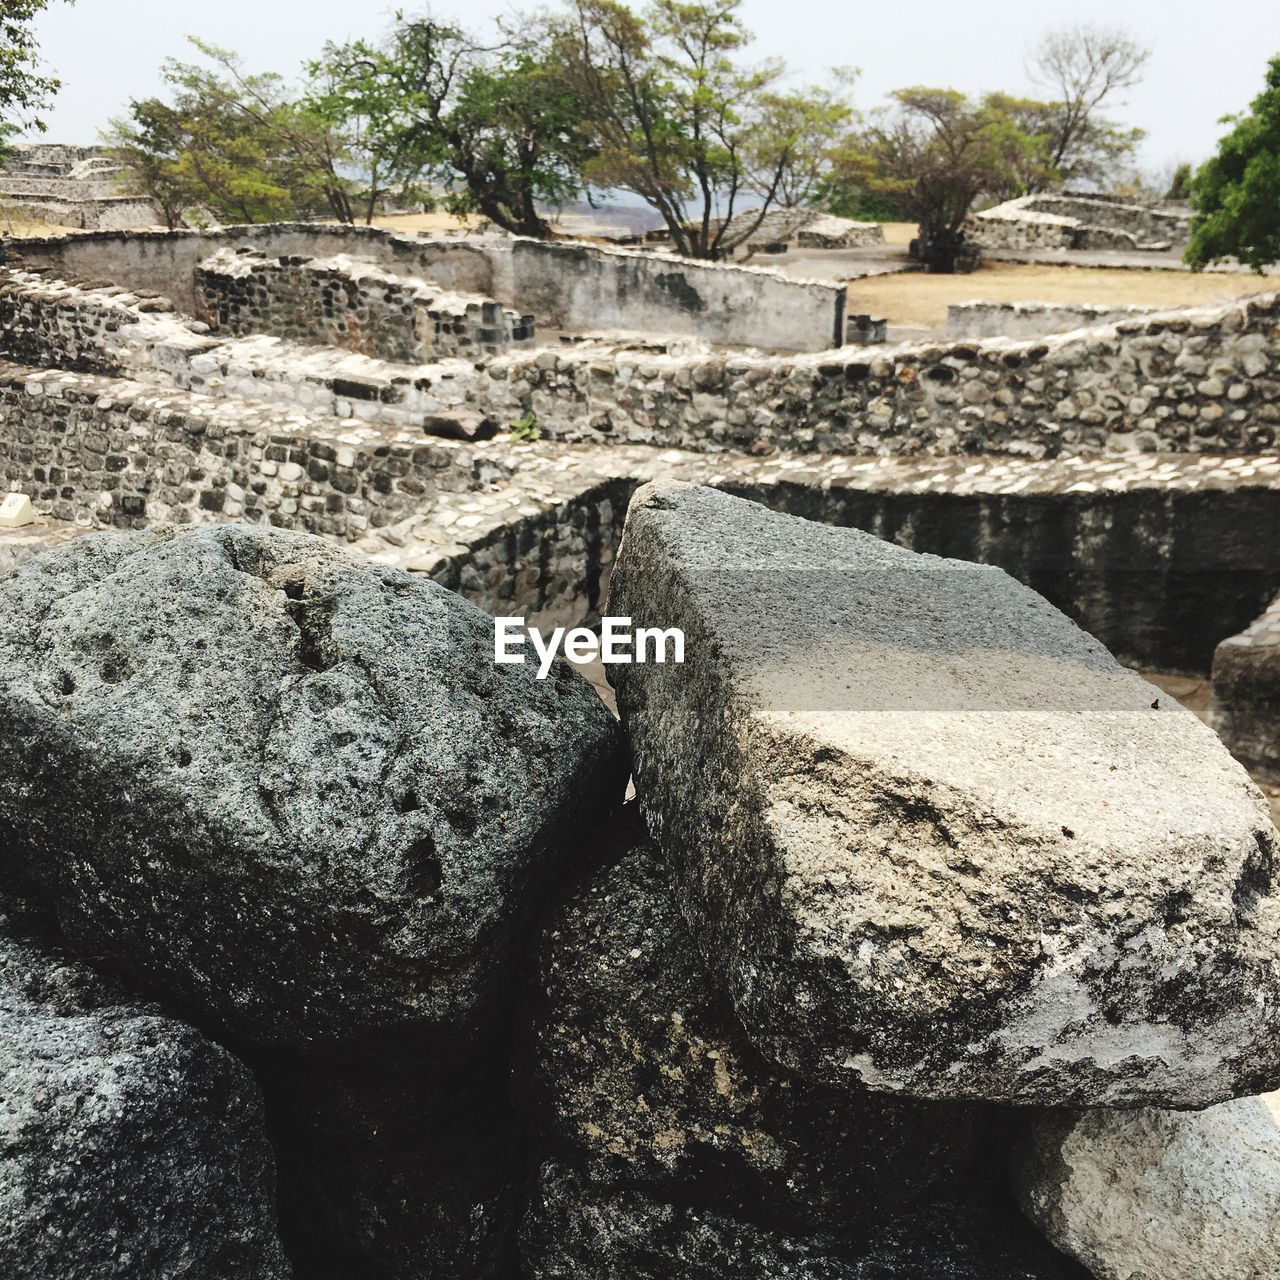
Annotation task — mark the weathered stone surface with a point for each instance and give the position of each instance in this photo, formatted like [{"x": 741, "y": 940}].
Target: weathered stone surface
[
  {"x": 576, "y": 1231},
  {"x": 640, "y": 1075},
  {"x": 936, "y": 839},
  {"x": 130, "y": 1146},
  {"x": 286, "y": 787},
  {"x": 398, "y": 1174},
  {"x": 1160, "y": 1195},
  {"x": 1245, "y": 709}
]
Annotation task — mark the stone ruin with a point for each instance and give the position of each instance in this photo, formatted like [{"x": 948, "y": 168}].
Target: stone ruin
[
  {"x": 802, "y": 227},
  {"x": 69, "y": 187},
  {"x": 1077, "y": 222},
  {"x": 935, "y": 944}
]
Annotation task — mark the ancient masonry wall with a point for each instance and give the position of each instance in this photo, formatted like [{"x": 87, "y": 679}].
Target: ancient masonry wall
[
  {"x": 113, "y": 452},
  {"x": 353, "y": 305},
  {"x": 1074, "y": 222},
  {"x": 566, "y": 285},
  {"x": 982, "y": 319},
  {"x": 1190, "y": 381},
  {"x": 1147, "y": 552},
  {"x": 1206, "y": 380},
  {"x": 1245, "y": 709}
]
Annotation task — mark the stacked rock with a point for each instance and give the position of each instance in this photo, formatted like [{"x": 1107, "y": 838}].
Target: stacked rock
[
  {"x": 288, "y": 793},
  {"x": 927, "y": 915}
]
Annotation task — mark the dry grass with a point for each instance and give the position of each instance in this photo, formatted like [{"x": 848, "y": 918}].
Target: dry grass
[
  {"x": 22, "y": 227},
  {"x": 899, "y": 233},
  {"x": 916, "y": 298},
  {"x": 424, "y": 222}
]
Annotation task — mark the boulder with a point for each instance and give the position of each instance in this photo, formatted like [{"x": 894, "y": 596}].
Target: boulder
[
  {"x": 935, "y": 839},
  {"x": 641, "y": 1076},
  {"x": 286, "y": 787},
  {"x": 1158, "y": 1195},
  {"x": 575, "y": 1230},
  {"x": 130, "y": 1146}
]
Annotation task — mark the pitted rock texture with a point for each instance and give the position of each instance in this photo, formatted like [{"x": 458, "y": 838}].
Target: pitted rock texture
[
  {"x": 576, "y": 1231},
  {"x": 130, "y": 1146},
  {"x": 937, "y": 841},
  {"x": 400, "y": 1174},
  {"x": 1161, "y": 1194},
  {"x": 641, "y": 1076},
  {"x": 288, "y": 788}
]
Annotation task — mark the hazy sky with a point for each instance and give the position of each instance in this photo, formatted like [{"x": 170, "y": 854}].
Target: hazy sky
[{"x": 1208, "y": 59}]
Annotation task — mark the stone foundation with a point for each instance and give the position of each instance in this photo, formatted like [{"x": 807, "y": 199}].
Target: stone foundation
[
  {"x": 564, "y": 284},
  {"x": 351, "y": 304},
  {"x": 981, "y": 319},
  {"x": 1245, "y": 709},
  {"x": 1203, "y": 380}
]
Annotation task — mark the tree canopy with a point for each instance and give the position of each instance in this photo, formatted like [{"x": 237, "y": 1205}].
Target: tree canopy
[
  {"x": 1236, "y": 194},
  {"x": 25, "y": 88},
  {"x": 1084, "y": 67},
  {"x": 677, "y": 118},
  {"x": 232, "y": 143}
]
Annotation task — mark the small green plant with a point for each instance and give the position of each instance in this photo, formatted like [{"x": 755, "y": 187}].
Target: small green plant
[{"x": 523, "y": 429}]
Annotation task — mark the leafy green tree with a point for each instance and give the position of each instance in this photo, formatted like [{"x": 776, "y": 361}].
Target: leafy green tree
[
  {"x": 1180, "y": 183},
  {"x": 497, "y": 127},
  {"x": 676, "y": 119},
  {"x": 24, "y": 87},
  {"x": 232, "y": 143},
  {"x": 1236, "y": 194},
  {"x": 931, "y": 156}
]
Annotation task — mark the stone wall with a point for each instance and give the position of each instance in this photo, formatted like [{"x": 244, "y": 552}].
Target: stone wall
[
  {"x": 982, "y": 319},
  {"x": 566, "y": 285},
  {"x": 1245, "y": 709},
  {"x": 112, "y": 452},
  {"x": 351, "y": 304},
  {"x": 1141, "y": 221},
  {"x": 1074, "y": 222},
  {"x": 1160, "y": 556},
  {"x": 1202, "y": 380}
]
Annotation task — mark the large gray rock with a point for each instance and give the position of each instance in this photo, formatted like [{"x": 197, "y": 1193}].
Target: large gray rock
[
  {"x": 284, "y": 786},
  {"x": 575, "y": 1230},
  {"x": 936, "y": 840},
  {"x": 641, "y": 1076},
  {"x": 130, "y": 1146},
  {"x": 666, "y": 1146},
  {"x": 1161, "y": 1195}
]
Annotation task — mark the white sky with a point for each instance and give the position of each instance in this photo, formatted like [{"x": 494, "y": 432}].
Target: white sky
[{"x": 1209, "y": 59}]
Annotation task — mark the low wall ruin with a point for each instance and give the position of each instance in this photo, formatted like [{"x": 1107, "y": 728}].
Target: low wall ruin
[
  {"x": 353, "y": 305},
  {"x": 114, "y": 453},
  {"x": 564, "y": 284},
  {"x": 1075, "y": 222},
  {"x": 1147, "y": 553},
  {"x": 983, "y": 319},
  {"x": 1245, "y": 709},
  {"x": 1203, "y": 380}
]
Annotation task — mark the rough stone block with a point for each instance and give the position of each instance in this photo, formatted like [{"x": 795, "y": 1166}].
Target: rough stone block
[
  {"x": 1245, "y": 707},
  {"x": 16, "y": 511},
  {"x": 287, "y": 787},
  {"x": 1165, "y": 1194},
  {"x": 639, "y": 1071},
  {"x": 935, "y": 838},
  {"x": 129, "y": 1144}
]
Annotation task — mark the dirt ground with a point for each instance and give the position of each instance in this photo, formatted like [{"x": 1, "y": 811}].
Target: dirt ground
[{"x": 915, "y": 298}]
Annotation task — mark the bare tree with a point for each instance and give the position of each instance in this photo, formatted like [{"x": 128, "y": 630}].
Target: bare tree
[{"x": 1083, "y": 66}]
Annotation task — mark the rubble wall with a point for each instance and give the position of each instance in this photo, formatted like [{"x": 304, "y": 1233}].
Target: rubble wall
[{"x": 566, "y": 285}]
